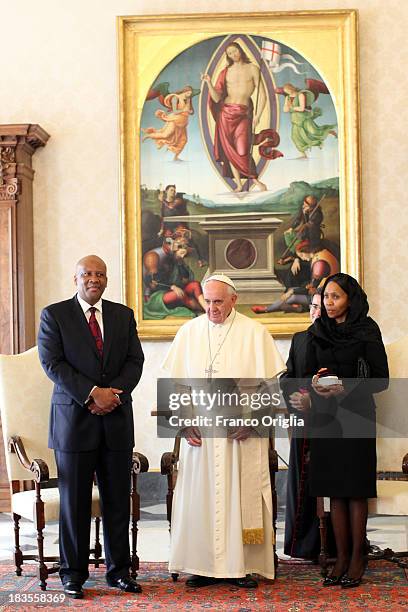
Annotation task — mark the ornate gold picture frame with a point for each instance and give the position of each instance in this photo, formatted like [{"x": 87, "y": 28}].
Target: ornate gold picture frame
[{"x": 239, "y": 155}]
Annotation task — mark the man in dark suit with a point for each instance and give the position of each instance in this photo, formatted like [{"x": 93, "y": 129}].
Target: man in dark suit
[{"x": 90, "y": 349}]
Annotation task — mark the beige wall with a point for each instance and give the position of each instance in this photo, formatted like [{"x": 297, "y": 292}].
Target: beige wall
[{"x": 59, "y": 69}]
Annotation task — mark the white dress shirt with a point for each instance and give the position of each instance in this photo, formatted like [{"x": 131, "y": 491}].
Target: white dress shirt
[
  {"x": 98, "y": 311},
  {"x": 98, "y": 314}
]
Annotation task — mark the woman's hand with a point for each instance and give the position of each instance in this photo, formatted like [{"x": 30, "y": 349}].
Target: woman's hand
[
  {"x": 327, "y": 392},
  {"x": 300, "y": 401}
]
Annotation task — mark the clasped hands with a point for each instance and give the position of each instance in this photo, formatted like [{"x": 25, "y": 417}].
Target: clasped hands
[
  {"x": 193, "y": 434},
  {"x": 105, "y": 399},
  {"x": 300, "y": 400}
]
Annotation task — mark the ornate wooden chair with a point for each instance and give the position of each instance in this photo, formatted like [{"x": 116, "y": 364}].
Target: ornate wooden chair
[
  {"x": 25, "y": 394},
  {"x": 169, "y": 468}
]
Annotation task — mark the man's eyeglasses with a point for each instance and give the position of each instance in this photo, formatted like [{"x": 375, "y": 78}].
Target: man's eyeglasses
[{"x": 314, "y": 307}]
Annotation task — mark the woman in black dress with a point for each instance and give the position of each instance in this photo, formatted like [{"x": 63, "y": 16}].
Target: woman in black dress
[{"x": 347, "y": 343}]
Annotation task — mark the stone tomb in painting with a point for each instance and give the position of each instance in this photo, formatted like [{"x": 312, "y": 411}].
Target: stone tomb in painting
[{"x": 241, "y": 245}]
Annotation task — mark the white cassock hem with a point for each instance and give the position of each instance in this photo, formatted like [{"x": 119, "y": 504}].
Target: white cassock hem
[{"x": 185, "y": 570}]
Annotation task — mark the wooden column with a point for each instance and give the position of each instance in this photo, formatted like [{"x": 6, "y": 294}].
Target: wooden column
[{"x": 18, "y": 143}]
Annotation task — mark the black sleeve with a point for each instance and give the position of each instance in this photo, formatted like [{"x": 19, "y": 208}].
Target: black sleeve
[
  {"x": 377, "y": 360},
  {"x": 376, "y": 357},
  {"x": 132, "y": 368},
  {"x": 289, "y": 381},
  {"x": 53, "y": 361}
]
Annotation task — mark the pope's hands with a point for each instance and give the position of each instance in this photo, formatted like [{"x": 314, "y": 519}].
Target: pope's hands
[
  {"x": 192, "y": 435},
  {"x": 240, "y": 433}
]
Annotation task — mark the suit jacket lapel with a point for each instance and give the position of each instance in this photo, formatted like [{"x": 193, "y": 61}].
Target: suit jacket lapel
[
  {"x": 108, "y": 328},
  {"x": 83, "y": 326}
]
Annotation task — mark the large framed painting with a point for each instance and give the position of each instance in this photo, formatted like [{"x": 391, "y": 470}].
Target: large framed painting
[{"x": 239, "y": 155}]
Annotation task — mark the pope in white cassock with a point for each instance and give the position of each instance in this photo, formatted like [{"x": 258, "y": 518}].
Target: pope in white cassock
[{"x": 222, "y": 523}]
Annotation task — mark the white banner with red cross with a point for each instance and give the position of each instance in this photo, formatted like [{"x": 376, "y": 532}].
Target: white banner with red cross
[{"x": 272, "y": 54}]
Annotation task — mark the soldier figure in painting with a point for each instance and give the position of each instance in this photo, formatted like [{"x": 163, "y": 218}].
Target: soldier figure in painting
[
  {"x": 170, "y": 287},
  {"x": 306, "y": 224}
]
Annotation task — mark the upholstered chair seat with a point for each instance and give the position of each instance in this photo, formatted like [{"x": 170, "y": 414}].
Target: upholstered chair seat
[{"x": 23, "y": 504}]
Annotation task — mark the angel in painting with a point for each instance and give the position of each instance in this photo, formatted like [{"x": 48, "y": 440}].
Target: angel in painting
[
  {"x": 306, "y": 133},
  {"x": 173, "y": 134}
]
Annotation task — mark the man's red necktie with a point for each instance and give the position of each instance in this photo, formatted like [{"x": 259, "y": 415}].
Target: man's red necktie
[{"x": 95, "y": 330}]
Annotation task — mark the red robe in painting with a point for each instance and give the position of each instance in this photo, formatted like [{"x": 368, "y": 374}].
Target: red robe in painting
[{"x": 233, "y": 133}]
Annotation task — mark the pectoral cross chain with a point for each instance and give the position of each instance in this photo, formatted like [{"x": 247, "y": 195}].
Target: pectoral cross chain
[{"x": 210, "y": 371}]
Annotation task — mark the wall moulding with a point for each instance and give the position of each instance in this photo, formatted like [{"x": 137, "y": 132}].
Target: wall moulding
[{"x": 18, "y": 143}]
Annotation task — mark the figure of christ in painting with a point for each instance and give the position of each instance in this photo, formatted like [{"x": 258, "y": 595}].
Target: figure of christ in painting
[
  {"x": 306, "y": 133},
  {"x": 232, "y": 108},
  {"x": 173, "y": 134},
  {"x": 170, "y": 288}
]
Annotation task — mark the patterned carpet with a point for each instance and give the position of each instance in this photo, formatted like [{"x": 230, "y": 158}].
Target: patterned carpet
[{"x": 297, "y": 589}]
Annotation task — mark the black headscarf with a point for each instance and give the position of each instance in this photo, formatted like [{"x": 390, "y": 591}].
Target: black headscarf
[{"x": 357, "y": 327}]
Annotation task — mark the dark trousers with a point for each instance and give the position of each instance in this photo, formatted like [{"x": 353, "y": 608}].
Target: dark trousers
[{"x": 75, "y": 479}]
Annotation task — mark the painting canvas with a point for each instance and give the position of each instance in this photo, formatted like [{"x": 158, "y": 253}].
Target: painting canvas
[{"x": 236, "y": 166}]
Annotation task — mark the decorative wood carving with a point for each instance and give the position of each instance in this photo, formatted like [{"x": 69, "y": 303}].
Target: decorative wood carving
[{"x": 18, "y": 143}]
